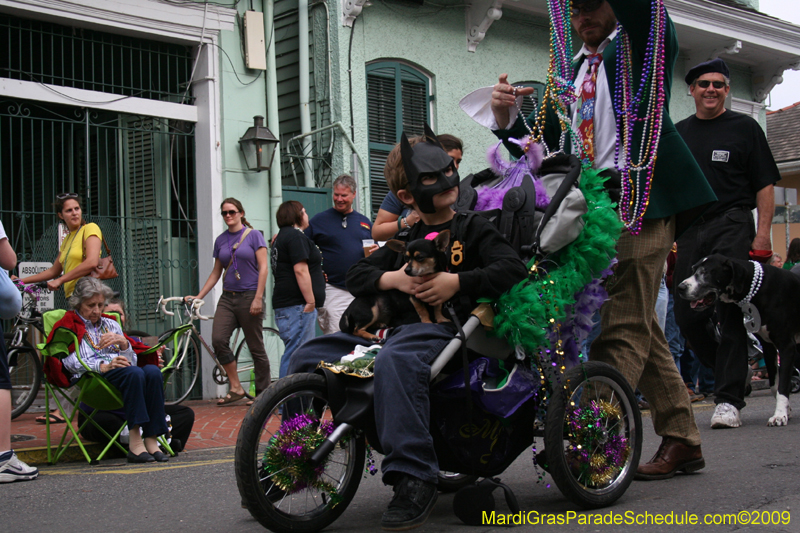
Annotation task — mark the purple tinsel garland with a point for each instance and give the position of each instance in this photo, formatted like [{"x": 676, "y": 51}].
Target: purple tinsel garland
[{"x": 513, "y": 173}]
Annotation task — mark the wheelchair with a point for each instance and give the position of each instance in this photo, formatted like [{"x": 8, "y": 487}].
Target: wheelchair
[{"x": 302, "y": 447}]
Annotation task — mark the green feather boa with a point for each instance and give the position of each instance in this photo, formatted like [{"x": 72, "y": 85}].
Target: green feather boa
[{"x": 526, "y": 313}]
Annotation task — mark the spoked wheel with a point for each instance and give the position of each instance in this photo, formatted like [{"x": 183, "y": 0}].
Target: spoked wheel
[
  {"x": 25, "y": 373},
  {"x": 593, "y": 435},
  {"x": 453, "y": 481},
  {"x": 279, "y": 434},
  {"x": 181, "y": 380},
  {"x": 273, "y": 345}
]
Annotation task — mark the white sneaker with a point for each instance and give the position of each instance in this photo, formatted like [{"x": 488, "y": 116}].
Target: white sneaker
[
  {"x": 725, "y": 416},
  {"x": 13, "y": 469}
]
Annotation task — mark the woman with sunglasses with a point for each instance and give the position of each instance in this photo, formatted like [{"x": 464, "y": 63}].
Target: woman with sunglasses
[
  {"x": 240, "y": 259},
  {"x": 80, "y": 250}
]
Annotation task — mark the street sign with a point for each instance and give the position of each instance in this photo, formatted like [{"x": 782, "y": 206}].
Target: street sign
[{"x": 46, "y": 298}]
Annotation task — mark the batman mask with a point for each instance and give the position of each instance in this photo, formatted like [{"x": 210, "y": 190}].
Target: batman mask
[{"x": 427, "y": 160}]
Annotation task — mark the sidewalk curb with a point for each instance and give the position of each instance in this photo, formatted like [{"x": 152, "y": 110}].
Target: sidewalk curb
[{"x": 73, "y": 453}]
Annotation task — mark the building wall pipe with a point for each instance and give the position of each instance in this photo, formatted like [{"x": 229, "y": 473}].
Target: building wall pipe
[
  {"x": 273, "y": 122},
  {"x": 305, "y": 90}
]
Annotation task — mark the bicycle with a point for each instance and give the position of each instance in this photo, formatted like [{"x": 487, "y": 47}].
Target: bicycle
[
  {"x": 182, "y": 365},
  {"x": 24, "y": 362}
]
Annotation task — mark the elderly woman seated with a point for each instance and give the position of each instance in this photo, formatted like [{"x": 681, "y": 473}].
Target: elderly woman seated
[{"x": 108, "y": 351}]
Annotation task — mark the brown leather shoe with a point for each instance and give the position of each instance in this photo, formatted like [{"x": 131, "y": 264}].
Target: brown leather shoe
[{"x": 671, "y": 457}]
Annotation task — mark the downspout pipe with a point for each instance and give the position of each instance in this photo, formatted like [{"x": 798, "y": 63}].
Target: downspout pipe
[
  {"x": 305, "y": 90},
  {"x": 273, "y": 122}
]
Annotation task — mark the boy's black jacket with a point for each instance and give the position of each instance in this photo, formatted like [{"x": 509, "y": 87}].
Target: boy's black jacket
[{"x": 489, "y": 267}]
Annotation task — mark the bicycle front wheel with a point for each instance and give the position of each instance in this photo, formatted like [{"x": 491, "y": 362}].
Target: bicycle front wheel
[
  {"x": 25, "y": 371},
  {"x": 273, "y": 345},
  {"x": 181, "y": 379}
]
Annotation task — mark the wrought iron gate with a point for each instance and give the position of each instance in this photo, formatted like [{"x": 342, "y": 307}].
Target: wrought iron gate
[{"x": 137, "y": 179}]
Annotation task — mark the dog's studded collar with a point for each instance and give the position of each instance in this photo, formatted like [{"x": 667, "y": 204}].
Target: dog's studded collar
[{"x": 752, "y": 318}]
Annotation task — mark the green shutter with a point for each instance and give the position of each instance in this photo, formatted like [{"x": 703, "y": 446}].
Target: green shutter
[{"x": 398, "y": 100}]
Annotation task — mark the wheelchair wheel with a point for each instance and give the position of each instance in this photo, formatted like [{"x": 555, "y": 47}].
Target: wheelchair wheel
[
  {"x": 593, "y": 435},
  {"x": 453, "y": 482},
  {"x": 277, "y": 437},
  {"x": 25, "y": 373}
]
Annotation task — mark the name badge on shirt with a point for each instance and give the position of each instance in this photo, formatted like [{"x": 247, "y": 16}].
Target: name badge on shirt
[{"x": 720, "y": 156}]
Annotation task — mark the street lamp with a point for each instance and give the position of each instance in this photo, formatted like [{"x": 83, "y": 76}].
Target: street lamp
[{"x": 258, "y": 145}]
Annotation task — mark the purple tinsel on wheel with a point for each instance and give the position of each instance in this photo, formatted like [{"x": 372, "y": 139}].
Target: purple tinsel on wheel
[
  {"x": 513, "y": 174},
  {"x": 303, "y": 420}
]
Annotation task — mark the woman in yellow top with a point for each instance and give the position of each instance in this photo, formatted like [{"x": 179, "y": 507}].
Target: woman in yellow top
[
  {"x": 80, "y": 251},
  {"x": 79, "y": 254}
]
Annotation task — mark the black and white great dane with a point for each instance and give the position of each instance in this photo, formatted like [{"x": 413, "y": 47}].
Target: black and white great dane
[{"x": 770, "y": 301}]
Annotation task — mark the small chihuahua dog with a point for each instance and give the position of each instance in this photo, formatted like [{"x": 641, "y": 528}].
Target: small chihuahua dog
[{"x": 424, "y": 257}]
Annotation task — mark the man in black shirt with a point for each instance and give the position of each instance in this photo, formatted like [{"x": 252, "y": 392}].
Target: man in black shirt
[{"x": 733, "y": 153}]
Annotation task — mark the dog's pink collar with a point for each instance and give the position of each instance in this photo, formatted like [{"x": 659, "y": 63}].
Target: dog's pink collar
[{"x": 432, "y": 235}]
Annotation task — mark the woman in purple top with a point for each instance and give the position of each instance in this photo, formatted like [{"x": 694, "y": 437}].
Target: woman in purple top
[{"x": 240, "y": 258}]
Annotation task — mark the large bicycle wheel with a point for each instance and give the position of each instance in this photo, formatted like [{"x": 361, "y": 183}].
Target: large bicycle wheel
[
  {"x": 182, "y": 378},
  {"x": 25, "y": 370},
  {"x": 593, "y": 435},
  {"x": 273, "y": 345},
  {"x": 276, "y": 483}
]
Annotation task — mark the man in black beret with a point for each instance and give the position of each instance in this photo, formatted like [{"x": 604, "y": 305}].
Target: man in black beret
[{"x": 733, "y": 153}]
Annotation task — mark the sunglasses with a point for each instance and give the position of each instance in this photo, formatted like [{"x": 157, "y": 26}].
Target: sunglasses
[
  {"x": 66, "y": 195},
  {"x": 586, "y": 7},
  {"x": 703, "y": 84},
  {"x": 344, "y": 222},
  {"x": 229, "y": 213}
]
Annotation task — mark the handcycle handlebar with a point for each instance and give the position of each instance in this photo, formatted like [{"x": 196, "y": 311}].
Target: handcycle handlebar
[
  {"x": 38, "y": 285},
  {"x": 193, "y": 306}
]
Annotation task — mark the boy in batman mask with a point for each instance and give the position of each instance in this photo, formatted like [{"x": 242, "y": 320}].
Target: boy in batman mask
[{"x": 481, "y": 264}]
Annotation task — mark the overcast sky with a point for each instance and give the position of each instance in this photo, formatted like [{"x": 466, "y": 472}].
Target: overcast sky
[{"x": 788, "y": 92}]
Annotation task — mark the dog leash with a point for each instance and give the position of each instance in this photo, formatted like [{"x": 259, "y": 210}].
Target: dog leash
[{"x": 752, "y": 318}]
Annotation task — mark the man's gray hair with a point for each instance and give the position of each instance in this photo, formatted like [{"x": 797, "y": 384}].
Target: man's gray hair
[
  {"x": 86, "y": 288},
  {"x": 346, "y": 180}
]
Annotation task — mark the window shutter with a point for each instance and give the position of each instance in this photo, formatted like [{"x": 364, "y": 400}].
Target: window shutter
[
  {"x": 415, "y": 107},
  {"x": 397, "y": 101},
  {"x": 381, "y": 110}
]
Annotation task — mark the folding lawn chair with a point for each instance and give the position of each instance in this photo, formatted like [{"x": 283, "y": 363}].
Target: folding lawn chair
[{"x": 94, "y": 391}]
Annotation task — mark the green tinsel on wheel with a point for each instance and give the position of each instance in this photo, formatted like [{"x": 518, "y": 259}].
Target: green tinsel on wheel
[
  {"x": 526, "y": 313},
  {"x": 287, "y": 459}
]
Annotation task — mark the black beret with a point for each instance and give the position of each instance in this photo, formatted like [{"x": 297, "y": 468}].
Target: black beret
[{"x": 715, "y": 65}]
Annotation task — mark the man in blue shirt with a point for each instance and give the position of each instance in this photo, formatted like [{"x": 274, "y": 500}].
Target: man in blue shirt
[{"x": 338, "y": 232}]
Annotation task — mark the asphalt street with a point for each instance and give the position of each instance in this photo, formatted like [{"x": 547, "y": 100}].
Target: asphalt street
[{"x": 752, "y": 473}]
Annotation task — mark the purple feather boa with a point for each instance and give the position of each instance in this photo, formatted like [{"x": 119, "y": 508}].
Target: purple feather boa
[{"x": 578, "y": 321}]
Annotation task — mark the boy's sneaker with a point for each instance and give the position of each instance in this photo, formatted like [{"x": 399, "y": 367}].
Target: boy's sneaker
[
  {"x": 725, "y": 416},
  {"x": 412, "y": 503},
  {"x": 12, "y": 469}
]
